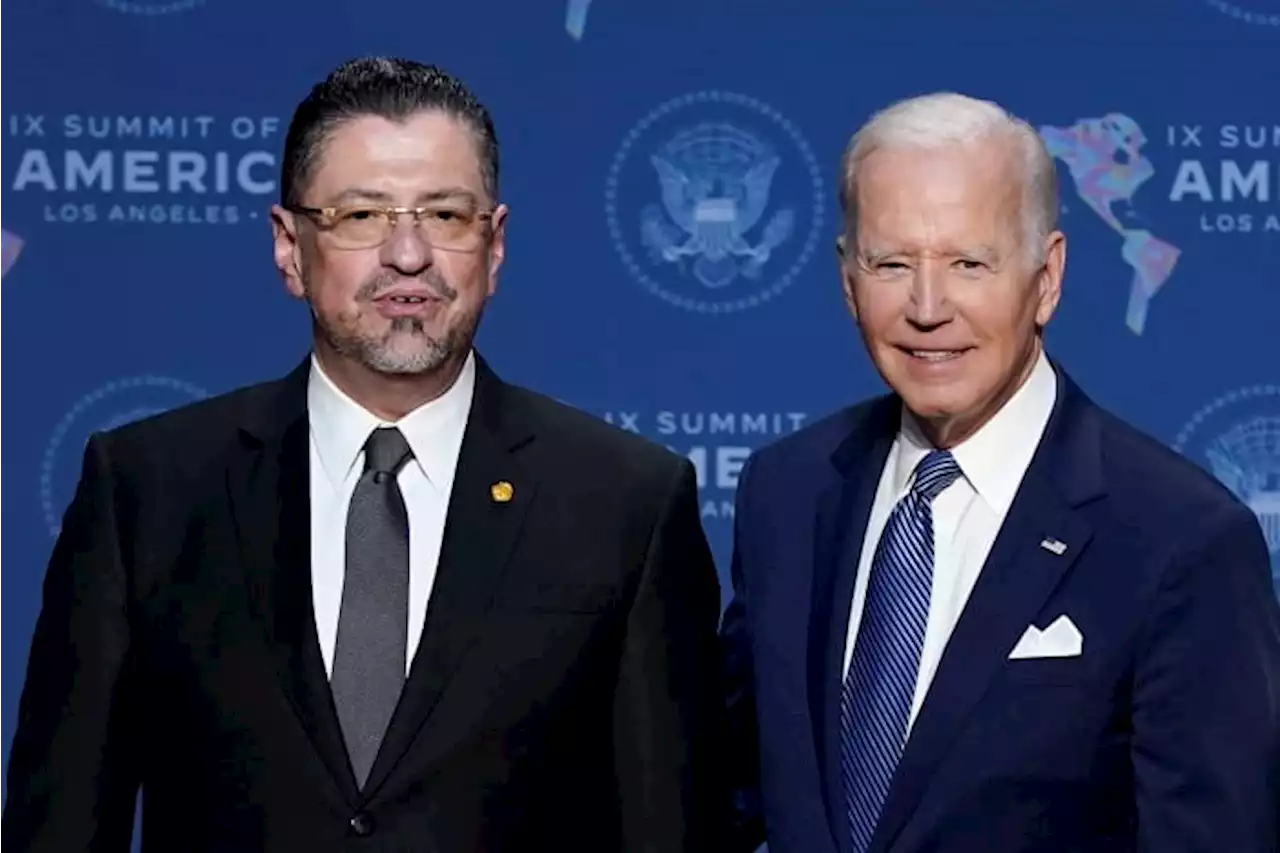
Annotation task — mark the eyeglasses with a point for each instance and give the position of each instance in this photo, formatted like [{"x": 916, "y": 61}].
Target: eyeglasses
[{"x": 452, "y": 228}]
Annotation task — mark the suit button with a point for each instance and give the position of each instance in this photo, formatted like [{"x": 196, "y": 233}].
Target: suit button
[{"x": 362, "y": 824}]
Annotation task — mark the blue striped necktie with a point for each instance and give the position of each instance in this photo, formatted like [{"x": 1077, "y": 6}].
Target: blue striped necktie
[{"x": 880, "y": 685}]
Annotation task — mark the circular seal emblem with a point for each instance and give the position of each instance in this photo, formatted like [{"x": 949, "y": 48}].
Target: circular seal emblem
[
  {"x": 714, "y": 202},
  {"x": 1265, "y": 13},
  {"x": 117, "y": 403},
  {"x": 1237, "y": 437},
  {"x": 150, "y": 7}
]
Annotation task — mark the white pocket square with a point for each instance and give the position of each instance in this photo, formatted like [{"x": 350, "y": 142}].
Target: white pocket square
[{"x": 1062, "y": 639}]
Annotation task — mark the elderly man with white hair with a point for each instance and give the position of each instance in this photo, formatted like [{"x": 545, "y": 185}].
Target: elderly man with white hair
[{"x": 980, "y": 614}]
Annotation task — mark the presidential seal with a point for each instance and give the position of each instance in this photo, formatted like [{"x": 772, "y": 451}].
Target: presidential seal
[
  {"x": 714, "y": 202},
  {"x": 1237, "y": 437},
  {"x": 114, "y": 404}
]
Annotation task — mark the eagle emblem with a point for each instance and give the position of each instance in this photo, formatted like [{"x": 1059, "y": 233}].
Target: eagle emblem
[{"x": 714, "y": 182}]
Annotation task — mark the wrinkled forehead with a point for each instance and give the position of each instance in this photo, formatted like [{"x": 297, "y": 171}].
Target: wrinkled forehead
[{"x": 954, "y": 197}]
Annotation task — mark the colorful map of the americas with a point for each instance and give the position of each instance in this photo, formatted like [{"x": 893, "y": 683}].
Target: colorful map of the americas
[
  {"x": 575, "y": 17},
  {"x": 1104, "y": 156},
  {"x": 9, "y": 250}
]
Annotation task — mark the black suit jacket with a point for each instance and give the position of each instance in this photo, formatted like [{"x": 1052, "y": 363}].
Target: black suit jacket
[{"x": 562, "y": 697}]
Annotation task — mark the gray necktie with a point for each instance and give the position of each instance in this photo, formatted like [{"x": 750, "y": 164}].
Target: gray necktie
[{"x": 369, "y": 658}]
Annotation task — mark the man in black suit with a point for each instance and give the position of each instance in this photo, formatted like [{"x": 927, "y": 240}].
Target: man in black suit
[{"x": 388, "y": 602}]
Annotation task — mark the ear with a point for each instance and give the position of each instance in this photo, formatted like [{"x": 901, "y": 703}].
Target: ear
[
  {"x": 287, "y": 250},
  {"x": 1049, "y": 278},
  {"x": 497, "y": 244}
]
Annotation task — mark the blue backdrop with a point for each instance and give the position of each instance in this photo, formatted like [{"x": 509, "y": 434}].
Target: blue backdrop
[{"x": 142, "y": 137}]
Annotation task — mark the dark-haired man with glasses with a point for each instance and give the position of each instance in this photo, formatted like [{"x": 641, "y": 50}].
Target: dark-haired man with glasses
[{"x": 388, "y": 602}]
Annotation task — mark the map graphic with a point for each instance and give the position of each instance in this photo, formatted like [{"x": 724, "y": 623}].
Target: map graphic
[
  {"x": 10, "y": 247},
  {"x": 1104, "y": 157},
  {"x": 575, "y": 18}
]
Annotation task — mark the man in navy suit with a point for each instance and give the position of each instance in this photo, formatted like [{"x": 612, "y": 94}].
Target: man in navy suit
[{"x": 981, "y": 614}]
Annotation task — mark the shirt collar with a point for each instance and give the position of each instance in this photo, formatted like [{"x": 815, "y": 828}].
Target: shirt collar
[
  {"x": 340, "y": 426},
  {"x": 994, "y": 459}
]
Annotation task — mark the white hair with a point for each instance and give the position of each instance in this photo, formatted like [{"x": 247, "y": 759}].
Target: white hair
[{"x": 946, "y": 119}]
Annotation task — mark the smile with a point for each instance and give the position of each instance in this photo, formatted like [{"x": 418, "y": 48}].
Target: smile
[{"x": 934, "y": 355}]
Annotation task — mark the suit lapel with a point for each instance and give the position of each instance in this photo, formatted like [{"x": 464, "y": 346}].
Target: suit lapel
[
  {"x": 844, "y": 508},
  {"x": 479, "y": 536},
  {"x": 1017, "y": 578},
  {"x": 269, "y": 489}
]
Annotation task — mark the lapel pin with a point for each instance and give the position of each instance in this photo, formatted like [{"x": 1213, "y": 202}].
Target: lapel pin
[
  {"x": 1054, "y": 546},
  {"x": 501, "y": 491}
]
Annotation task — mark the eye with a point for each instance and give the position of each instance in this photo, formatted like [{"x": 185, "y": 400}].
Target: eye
[
  {"x": 358, "y": 214},
  {"x": 449, "y": 215},
  {"x": 971, "y": 266}
]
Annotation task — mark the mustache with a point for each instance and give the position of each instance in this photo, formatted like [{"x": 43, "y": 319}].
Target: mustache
[{"x": 379, "y": 284}]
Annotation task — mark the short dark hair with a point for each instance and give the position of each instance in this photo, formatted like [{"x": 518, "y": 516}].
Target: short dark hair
[{"x": 394, "y": 89}]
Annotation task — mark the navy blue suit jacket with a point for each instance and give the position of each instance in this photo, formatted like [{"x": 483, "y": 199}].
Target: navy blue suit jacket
[{"x": 1163, "y": 736}]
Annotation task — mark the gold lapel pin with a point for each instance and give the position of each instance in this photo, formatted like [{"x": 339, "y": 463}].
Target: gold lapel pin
[{"x": 501, "y": 491}]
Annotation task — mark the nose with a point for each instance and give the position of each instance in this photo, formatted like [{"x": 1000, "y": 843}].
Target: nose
[
  {"x": 929, "y": 306},
  {"x": 405, "y": 249}
]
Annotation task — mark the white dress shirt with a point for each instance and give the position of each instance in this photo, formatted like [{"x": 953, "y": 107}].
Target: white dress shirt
[
  {"x": 339, "y": 429},
  {"x": 967, "y": 515}
]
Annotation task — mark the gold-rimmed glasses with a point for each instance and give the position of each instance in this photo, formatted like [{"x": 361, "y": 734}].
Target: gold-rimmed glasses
[{"x": 450, "y": 227}]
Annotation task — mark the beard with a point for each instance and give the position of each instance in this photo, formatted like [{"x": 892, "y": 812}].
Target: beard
[{"x": 407, "y": 347}]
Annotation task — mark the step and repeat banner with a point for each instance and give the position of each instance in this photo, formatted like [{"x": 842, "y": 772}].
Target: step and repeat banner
[{"x": 141, "y": 150}]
